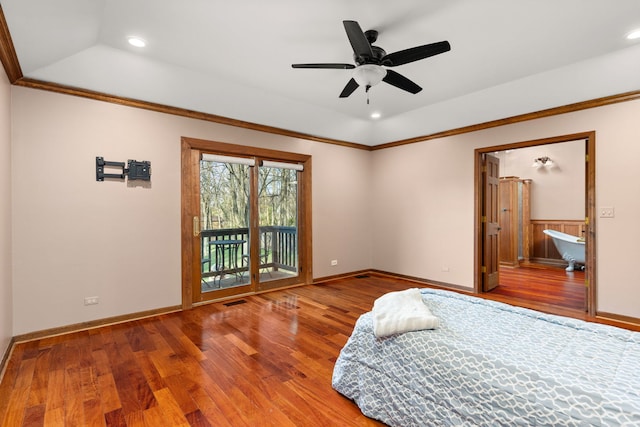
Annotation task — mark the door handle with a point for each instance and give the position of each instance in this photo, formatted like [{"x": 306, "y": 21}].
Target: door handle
[{"x": 196, "y": 226}]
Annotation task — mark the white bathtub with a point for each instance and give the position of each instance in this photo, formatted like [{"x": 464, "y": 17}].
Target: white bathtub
[{"x": 570, "y": 247}]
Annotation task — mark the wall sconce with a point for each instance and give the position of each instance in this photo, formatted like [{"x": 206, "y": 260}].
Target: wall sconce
[{"x": 542, "y": 161}]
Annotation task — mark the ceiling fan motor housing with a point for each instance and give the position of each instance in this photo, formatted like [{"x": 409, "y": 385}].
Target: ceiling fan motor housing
[{"x": 377, "y": 54}]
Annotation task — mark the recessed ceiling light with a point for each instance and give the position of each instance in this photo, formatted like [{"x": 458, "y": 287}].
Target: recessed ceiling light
[
  {"x": 136, "y": 41},
  {"x": 635, "y": 34},
  {"x": 375, "y": 115}
]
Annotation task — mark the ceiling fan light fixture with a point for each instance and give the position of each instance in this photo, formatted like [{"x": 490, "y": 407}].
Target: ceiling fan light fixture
[{"x": 369, "y": 75}]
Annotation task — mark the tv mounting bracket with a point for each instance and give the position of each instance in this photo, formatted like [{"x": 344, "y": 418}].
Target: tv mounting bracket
[{"x": 135, "y": 170}]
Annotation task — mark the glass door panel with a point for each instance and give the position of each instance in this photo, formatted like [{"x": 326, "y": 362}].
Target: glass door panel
[
  {"x": 278, "y": 225},
  {"x": 224, "y": 228}
]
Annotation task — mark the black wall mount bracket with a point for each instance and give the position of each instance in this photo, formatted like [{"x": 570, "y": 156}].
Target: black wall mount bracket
[{"x": 136, "y": 170}]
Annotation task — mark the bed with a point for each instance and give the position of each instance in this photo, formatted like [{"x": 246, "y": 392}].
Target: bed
[{"x": 489, "y": 363}]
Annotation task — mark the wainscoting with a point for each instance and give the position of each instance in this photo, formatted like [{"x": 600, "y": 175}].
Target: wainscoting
[{"x": 542, "y": 249}]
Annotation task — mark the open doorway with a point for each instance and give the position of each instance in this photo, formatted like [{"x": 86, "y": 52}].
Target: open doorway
[{"x": 523, "y": 257}]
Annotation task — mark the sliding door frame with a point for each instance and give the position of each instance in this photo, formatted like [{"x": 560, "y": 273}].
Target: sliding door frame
[{"x": 190, "y": 206}]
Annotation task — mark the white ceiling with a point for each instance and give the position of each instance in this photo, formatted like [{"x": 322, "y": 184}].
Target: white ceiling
[{"x": 233, "y": 57}]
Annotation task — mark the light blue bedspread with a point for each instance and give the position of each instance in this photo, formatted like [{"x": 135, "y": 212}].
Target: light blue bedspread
[{"x": 492, "y": 364}]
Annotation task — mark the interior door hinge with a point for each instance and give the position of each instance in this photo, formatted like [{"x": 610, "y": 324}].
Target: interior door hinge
[
  {"x": 586, "y": 221},
  {"x": 483, "y": 269},
  {"x": 196, "y": 226},
  {"x": 484, "y": 219},
  {"x": 586, "y": 283}
]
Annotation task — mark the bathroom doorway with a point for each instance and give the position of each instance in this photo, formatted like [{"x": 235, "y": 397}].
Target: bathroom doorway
[{"x": 552, "y": 183}]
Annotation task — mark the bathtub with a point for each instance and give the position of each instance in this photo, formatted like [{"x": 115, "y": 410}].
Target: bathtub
[{"x": 570, "y": 247}]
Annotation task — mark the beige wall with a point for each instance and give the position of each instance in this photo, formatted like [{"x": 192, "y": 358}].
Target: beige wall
[
  {"x": 557, "y": 191},
  {"x": 6, "y": 303},
  {"x": 422, "y": 205},
  {"x": 407, "y": 210},
  {"x": 75, "y": 237},
  {"x": 423, "y": 201}
]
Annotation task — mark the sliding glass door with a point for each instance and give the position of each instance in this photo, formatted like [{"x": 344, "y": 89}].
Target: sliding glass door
[
  {"x": 225, "y": 197},
  {"x": 278, "y": 222},
  {"x": 249, "y": 216}
]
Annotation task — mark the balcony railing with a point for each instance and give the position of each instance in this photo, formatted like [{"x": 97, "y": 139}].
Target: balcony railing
[{"x": 226, "y": 251}]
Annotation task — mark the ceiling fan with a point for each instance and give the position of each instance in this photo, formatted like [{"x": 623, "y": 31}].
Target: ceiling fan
[{"x": 371, "y": 61}]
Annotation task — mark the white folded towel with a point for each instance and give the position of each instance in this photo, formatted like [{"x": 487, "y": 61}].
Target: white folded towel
[{"x": 402, "y": 311}]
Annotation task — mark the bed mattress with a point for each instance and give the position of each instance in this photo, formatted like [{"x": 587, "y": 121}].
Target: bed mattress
[{"x": 490, "y": 363}]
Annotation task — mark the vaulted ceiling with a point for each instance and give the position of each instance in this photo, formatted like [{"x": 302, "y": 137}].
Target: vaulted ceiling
[{"x": 233, "y": 58}]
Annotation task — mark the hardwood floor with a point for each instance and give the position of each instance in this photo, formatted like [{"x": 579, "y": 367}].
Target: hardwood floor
[
  {"x": 544, "y": 286},
  {"x": 264, "y": 360}
]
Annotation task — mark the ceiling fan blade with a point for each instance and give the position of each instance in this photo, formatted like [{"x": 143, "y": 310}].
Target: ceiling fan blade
[
  {"x": 349, "y": 88},
  {"x": 415, "y": 53},
  {"x": 400, "y": 81},
  {"x": 331, "y": 66},
  {"x": 359, "y": 42}
]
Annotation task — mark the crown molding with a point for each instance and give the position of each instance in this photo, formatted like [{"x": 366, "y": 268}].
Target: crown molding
[
  {"x": 593, "y": 103},
  {"x": 8, "y": 55}
]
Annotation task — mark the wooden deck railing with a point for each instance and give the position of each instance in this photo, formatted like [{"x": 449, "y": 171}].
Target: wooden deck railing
[{"x": 278, "y": 250}]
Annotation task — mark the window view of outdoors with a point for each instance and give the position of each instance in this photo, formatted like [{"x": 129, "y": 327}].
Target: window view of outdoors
[
  {"x": 225, "y": 218},
  {"x": 278, "y": 219}
]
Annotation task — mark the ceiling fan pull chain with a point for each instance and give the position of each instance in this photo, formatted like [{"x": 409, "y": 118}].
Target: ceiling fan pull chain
[{"x": 367, "y": 91}]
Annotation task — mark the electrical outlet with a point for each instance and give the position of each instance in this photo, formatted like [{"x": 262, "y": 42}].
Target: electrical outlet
[
  {"x": 91, "y": 300},
  {"x": 445, "y": 268},
  {"x": 607, "y": 212},
  {"x": 334, "y": 262}
]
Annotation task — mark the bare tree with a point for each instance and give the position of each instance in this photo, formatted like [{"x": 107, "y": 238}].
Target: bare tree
[{"x": 225, "y": 191}]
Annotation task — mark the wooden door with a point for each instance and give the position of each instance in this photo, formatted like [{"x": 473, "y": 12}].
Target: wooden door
[{"x": 490, "y": 218}]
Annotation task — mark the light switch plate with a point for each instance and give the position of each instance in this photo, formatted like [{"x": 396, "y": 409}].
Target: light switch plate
[
  {"x": 607, "y": 212},
  {"x": 91, "y": 300}
]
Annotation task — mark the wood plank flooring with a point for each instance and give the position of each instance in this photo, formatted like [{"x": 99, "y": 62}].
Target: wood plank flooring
[
  {"x": 552, "y": 286},
  {"x": 265, "y": 361}
]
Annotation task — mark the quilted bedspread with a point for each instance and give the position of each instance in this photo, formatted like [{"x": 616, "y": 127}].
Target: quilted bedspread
[{"x": 493, "y": 364}]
